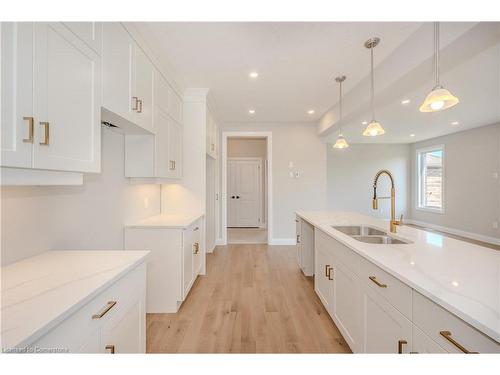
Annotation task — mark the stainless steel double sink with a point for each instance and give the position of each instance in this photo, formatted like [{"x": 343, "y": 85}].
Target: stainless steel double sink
[{"x": 368, "y": 234}]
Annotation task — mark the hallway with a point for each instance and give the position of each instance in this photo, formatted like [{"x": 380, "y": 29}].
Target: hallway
[{"x": 254, "y": 299}]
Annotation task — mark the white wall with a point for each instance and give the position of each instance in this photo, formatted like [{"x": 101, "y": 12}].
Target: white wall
[
  {"x": 35, "y": 219},
  {"x": 471, "y": 190},
  {"x": 351, "y": 172},
  {"x": 297, "y": 143}
]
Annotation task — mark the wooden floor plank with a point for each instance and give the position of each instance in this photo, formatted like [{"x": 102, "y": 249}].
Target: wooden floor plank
[{"x": 254, "y": 299}]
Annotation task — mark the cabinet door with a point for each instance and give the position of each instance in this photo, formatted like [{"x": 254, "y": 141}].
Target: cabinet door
[
  {"x": 385, "y": 329},
  {"x": 126, "y": 334},
  {"x": 197, "y": 253},
  {"x": 187, "y": 263},
  {"x": 175, "y": 149},
  {"x": 144, "y": 76},
  {"x": 162, "y": 144},
  {"x": 67, "y": 101},
  {"x": 16, "y": 56},
  {"x": 421, "y": 343},
  {"x": 298, "y": 235},
  {"x": 323, "y": 278},
  {"x": 346, "y": 304},
  {"x": 161, "y": 89},
  {"x": 117, "y": 70},
  {"x": 89, "y": 32}
]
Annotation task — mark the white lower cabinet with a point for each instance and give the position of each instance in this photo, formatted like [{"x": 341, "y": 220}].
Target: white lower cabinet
[
  {"x": 175, "y": 261},
  {"x": 377, "y": 313},
  {"x": 384, "y": 328},
  {"x": 305, "y": 246},
  {"x": 112, "y": 322}
]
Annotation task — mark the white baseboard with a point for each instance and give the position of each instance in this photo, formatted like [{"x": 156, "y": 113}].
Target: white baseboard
[
  {"x": 220, "y": 242},
  {"x": 282, "y": 241},
  {"x": 457, "y": 232}
]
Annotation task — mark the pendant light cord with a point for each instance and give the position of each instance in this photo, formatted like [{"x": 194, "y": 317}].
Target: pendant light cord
[
  {"x": 340, "y": 101},
  {"x": 436, "y": 51},
  {"x": 372, "y": 86}
]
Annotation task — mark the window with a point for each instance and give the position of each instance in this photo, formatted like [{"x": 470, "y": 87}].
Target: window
[{"x": 430, "y": 169}]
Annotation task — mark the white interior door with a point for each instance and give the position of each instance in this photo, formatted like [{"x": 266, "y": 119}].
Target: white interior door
[{"x": 244, "y": 193}]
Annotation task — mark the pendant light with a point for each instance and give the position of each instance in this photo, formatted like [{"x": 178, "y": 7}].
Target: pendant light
[
  {"x": 439, "y": 98},
  {"x": 341, "y": 142},
  {"x": 373, "y": 128}
]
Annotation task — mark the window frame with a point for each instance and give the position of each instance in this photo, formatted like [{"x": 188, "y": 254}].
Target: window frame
[{"x": 418, "y": 203}]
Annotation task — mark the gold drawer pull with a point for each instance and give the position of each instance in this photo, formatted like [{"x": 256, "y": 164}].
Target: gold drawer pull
[
  {"x": 327, "y": 272},
  {"x": 447, "y": 336},
  {"x": 31, "y": 126},
  {"x": 196, "y": 248},
  {"x": 330, "y": 269},
  {"x": 108, "y": 307},
  {"x": 111, "y": 349},
  {"x": 136, "y": 103},
  {"x": 46, "y": 133},
  {"x": 400, "y": 346},
  {"x": 374, "y": 279}
]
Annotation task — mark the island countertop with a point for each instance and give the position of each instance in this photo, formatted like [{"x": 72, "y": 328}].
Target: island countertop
[
  {"x": 463, "y": 278},
  {"x": 41, "y": 291}
]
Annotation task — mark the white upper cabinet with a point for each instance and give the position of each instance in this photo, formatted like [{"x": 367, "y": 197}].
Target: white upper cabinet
[
  {"x": 118, "y": 71},
  {"x": 175, "y": 149},
  {"x": 16, "y": 53},
  {"x": 144, "y": 73},
  {"x": 89, "y": 32},
  {"x": 50, "y": 99},
  {"x": 67, "y": 101},
  {"x": 127, "y": 78},
  {"x": 212, "y": 135}
]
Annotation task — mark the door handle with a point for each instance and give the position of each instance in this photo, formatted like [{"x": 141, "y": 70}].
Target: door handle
[
  {"x": 46, "y": 133},
  {"x": 400, "y": 346},
  {"x": 30, "y": 129}
]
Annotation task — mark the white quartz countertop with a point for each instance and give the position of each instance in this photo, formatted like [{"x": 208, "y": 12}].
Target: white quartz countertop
[
  {"x": 169, "y": 220},
  {"x": 463, "y": 278},
  {"x": 40, "y": 292}
]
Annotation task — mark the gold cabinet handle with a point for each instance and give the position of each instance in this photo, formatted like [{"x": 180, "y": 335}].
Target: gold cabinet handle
[
  {"x": 374, "y": 279},
  {"x": 172, "y": 165},
  {"x": 400, "y": 346},
  {"x": 447, "y": 336},
  {"x": 330, "y": 269},
  {"x": 46, "y": 137},
  {"x": 111, "y": 349},
  {"x": 196, "y": 248},
  {"x": 298, "y": 238},
  {"x": 135, "y": 99},
  {"x": 196, "y": 228},
  {"x": 108, "y": 307},
  {"x": 327, "y": 270},
  {"x": 139, "y": 109},
  {"x": 31, "y": 128}
]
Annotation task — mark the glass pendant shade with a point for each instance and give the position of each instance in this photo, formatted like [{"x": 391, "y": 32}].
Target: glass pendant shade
[
  {"x": 438, "y": 100},
  {"x": 373, "y": 129},
  {"x": 341, "y": 142}
]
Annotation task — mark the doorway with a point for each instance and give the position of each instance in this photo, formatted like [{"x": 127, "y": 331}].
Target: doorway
[{"x": 246, "y": 187}]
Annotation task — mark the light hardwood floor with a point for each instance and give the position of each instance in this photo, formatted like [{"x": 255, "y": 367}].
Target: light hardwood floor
[{"x": 254, "y": 299}]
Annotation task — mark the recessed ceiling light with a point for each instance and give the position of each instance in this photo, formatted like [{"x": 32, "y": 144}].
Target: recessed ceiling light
[
  {"x": 406, "y": 101},
  {"x": 412, "y": 135},
  {"x": 455, "y": 283},
  {"x": 254, "y": 75},
  {"x": 455, "y": 123},
  {"x": 364, "y": 123},
  {"x": 251, "y": 111},
  {"x": 311, "y": 112}
]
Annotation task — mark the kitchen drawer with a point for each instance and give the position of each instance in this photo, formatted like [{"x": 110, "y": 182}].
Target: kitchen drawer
[
  {"x": 340, "y": 252},
  {"x": 423, "y": 344},
  {"x": 397, "y": 293},
  {"x": 435, "y": 321},
  {"x": 80, "y": 328}
]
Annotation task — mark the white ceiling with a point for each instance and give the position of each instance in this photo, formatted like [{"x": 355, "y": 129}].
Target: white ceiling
[{"x": 296, "y": 62}]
